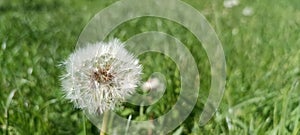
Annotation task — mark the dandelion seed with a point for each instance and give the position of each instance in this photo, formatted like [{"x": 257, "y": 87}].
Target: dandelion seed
[{"x": 100, "y": 76}]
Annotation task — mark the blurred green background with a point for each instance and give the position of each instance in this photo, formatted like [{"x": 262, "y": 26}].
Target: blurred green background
[{"x": 261, "y": 40}]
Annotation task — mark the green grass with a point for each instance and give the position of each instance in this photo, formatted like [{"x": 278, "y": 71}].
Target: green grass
[{"x": 262, "y": 53}]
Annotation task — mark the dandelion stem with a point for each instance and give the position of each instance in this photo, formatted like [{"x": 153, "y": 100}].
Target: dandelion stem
[{"x": 104, "y": 123}]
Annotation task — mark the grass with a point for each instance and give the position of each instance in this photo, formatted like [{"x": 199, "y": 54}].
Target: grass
[{"x": 262, "y": 53}]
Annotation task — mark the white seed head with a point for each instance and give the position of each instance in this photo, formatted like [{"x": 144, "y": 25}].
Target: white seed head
[
  {"x": 247, "y": 11},
  {"x": 230, "y": 3},
  {"x": 151, "y": 84},
  {"x": 99, "y": 76}
]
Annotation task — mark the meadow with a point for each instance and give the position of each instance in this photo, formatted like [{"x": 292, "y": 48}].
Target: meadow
[{"x": 260, "y": 38}]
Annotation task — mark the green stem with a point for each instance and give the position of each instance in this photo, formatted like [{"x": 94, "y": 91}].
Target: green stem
[{"x": 104, "y": 124}]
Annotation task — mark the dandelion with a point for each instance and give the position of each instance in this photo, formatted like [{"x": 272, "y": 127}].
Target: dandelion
[
  {"x": 247, "y": 11},
  {"x": 235, "y": 31},
  {"x": 151, "y": 84},
  {"x": 230, "y": 3},
  {"x": 99, "y": 76}
]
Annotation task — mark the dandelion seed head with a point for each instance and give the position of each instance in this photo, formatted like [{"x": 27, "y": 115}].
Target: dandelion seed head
[
  {"x": 230, "y": 3},
  {"x": 151, "y": 84},
  {"x": 100, "y": 76},
  {"x": 247, "y": 11}
]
